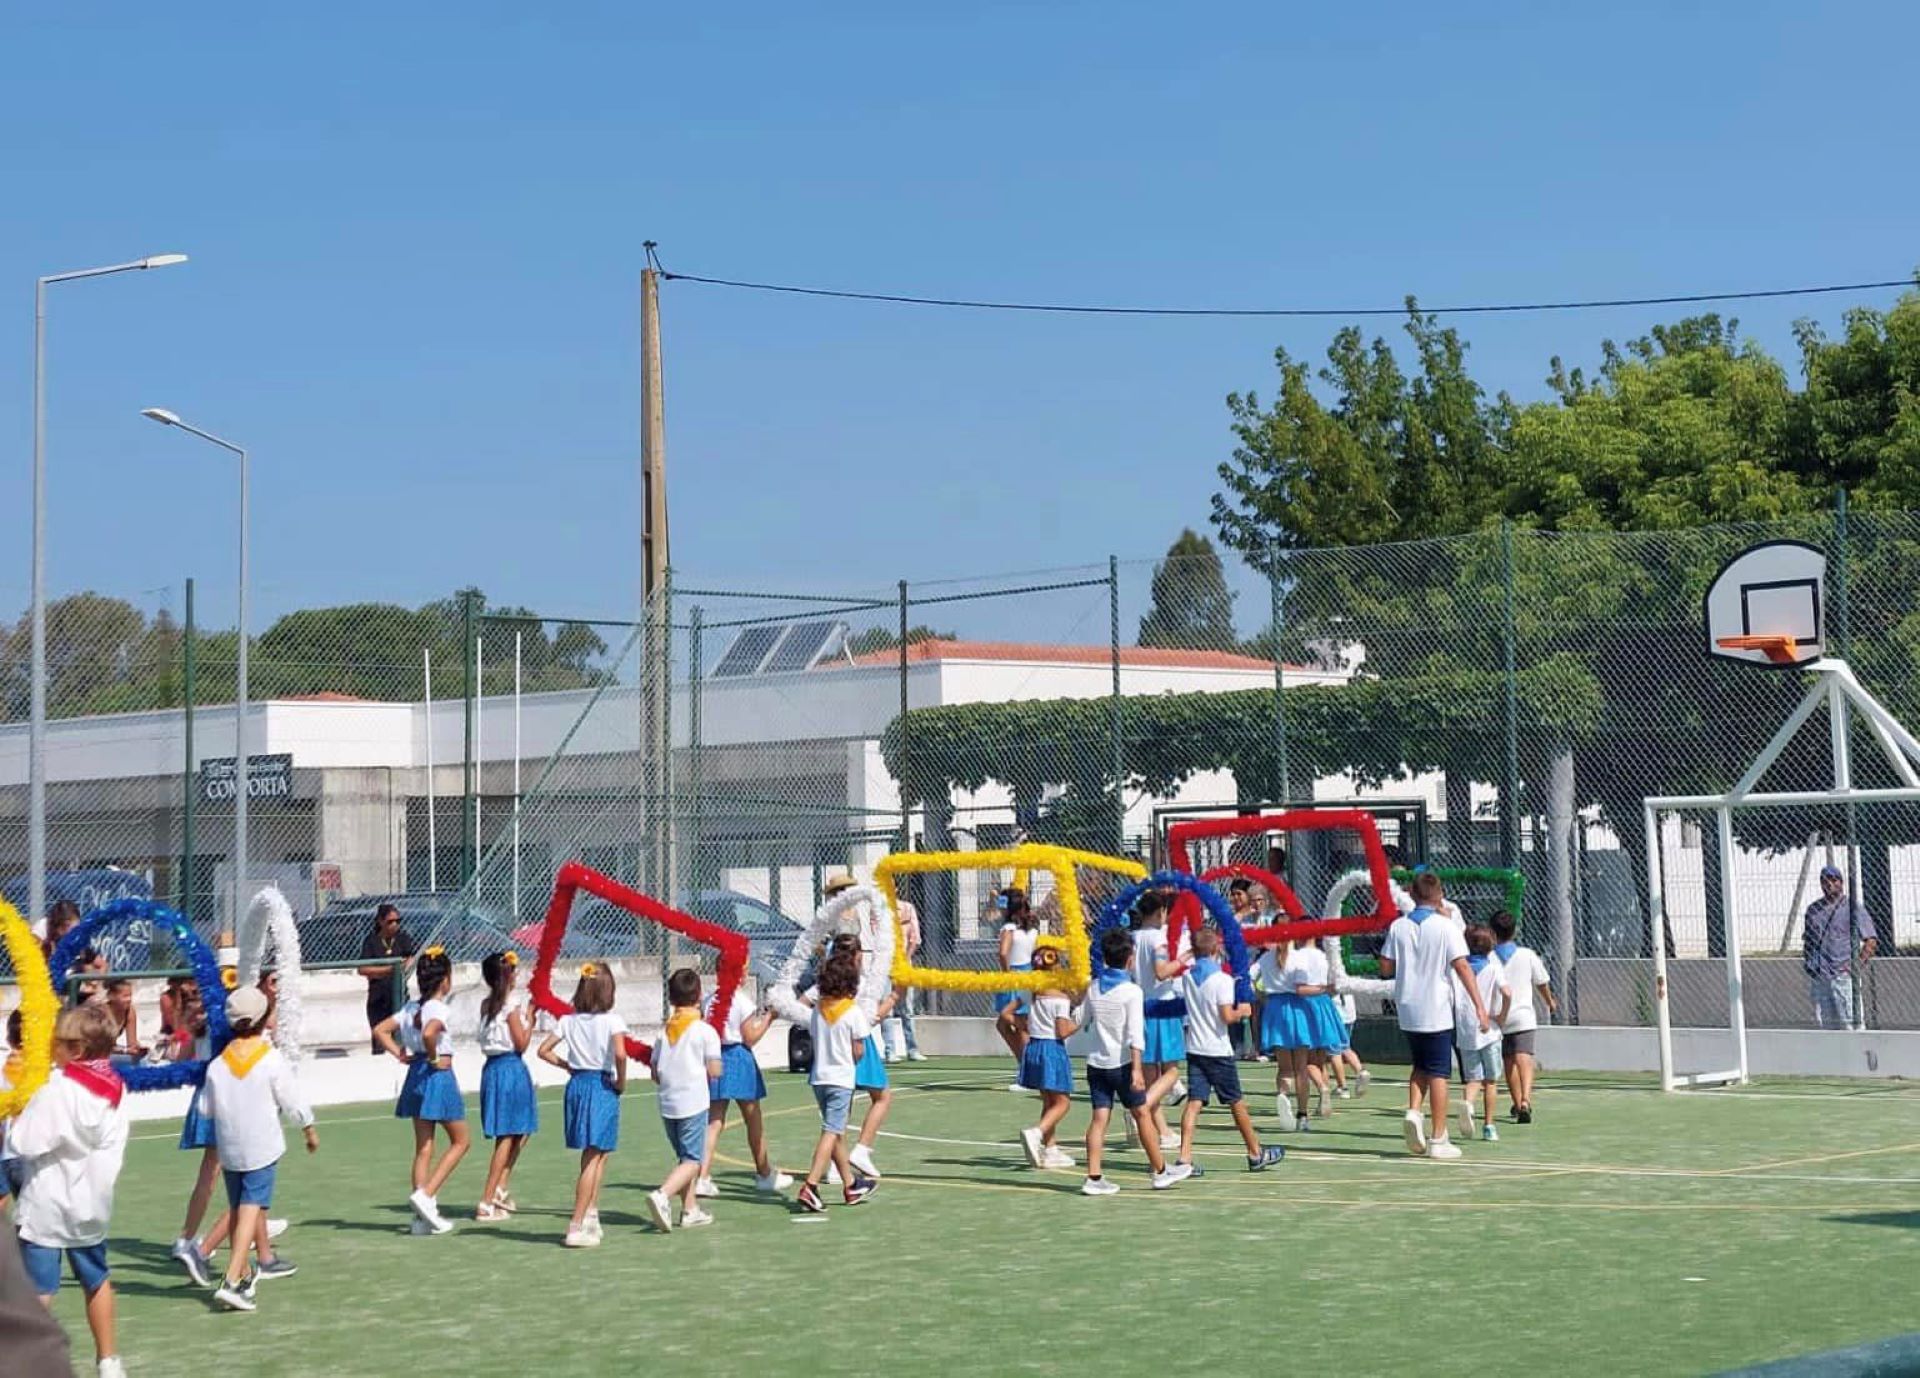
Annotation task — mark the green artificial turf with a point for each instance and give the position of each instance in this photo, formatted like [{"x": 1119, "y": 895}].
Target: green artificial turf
[{"x": 1623, "y": 1232}]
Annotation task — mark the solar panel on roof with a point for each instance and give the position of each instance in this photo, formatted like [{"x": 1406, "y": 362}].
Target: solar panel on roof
[
  {"x": 748, "y": 652},
  {"x": 803, "y": 645}
]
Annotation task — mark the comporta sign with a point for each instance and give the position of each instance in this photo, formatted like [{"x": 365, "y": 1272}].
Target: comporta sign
[{"x": 268, "y": 777}]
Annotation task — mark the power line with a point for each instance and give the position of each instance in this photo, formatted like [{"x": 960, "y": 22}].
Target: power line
[{"x": 1060, "y": 308}]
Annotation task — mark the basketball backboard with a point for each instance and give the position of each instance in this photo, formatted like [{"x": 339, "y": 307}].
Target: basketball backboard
[{"x": 1767, "y": 606}]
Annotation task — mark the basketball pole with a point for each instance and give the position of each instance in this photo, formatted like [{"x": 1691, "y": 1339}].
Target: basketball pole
[{"x": 656, "y": 740}]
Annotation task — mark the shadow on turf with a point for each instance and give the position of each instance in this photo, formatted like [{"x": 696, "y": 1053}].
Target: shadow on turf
[
  {"x": 1029, "y": 1177},
  {"x": 1899, "y": 1220}
]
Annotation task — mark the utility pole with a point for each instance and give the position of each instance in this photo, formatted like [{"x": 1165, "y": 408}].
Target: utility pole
[{"x": 656, "y": 729}]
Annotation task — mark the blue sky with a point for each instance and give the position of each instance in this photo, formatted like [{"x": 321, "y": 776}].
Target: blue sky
[{"x": 416, "y": 234}]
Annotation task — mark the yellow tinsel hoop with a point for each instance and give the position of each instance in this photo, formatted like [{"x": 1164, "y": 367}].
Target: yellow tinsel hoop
[{"x": 39, "y": 1006}]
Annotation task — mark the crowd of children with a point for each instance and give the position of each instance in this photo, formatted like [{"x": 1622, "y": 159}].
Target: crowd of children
[{"x": 1156, "y": 1027}]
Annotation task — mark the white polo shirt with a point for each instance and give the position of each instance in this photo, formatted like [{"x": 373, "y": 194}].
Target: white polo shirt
[
  {"x": 1423, "y": 954},
  {"x": 1524, "y": 972},
  {"x": 680, "y": 1070},
  {"x": 1116, "y": 1022},
  {"x": 1206, "y": 1029}
]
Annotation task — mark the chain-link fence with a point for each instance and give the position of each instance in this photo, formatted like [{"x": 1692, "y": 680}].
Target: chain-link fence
[{"x": 1501, "y": 699}]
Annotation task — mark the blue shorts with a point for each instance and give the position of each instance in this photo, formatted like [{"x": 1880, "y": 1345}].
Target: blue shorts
[
  {"x": 1105, "y": 1085},
  {"x": 836, "y": 1103},
  {"x": 253, "y": 1188},
  {"x": 688, "y": 1136},
  {"x": 1211, "y": 1078},
  {"x": 1166, "y": 1042},
  {"x": 43, "y": 1266},
  {"x": 1479, "y": 1064},
  {"x": 1431, "y": 1053}
]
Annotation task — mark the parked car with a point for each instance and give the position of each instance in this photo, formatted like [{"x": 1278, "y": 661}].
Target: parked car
[{"x": 467, "y": 932}]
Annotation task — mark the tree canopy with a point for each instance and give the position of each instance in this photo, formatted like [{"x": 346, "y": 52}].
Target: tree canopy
[{"x": 1192, "y": 605}]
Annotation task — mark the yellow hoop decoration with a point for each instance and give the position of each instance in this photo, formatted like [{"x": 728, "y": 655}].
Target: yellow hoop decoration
[
  {"x": 39, "y": 1007},
  {"x": 1059, "y": 862}
]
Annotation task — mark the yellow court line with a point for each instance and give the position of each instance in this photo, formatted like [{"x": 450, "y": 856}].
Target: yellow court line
[{"x": 1822, "y": 1158}]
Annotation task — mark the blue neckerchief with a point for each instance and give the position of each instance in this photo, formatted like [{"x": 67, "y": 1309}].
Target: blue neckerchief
[
  {"x": 1477, "y": 961},
  {"x": 1422, "y": 913},
  {"x": 1505, "y": 951},
  {"x": 1110, "y": 977},
  {"x": 1203, "y": 967}
]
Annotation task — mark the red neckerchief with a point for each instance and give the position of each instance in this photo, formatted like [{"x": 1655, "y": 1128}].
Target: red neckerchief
[{"x": 97, "y": 1075}]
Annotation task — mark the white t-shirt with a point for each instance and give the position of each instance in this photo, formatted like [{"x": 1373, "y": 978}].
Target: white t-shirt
[
  {"x": 1492, "y": 979},
  {"x": 496, "y": 1036},
  {"x": 71, "y": 1143},
  {"x": 412, "y": 1029},
  {"x": 739, "y": 1010},
  {"x": 680, "y": 1070},
  {"x": 1020, "y": 945},
  {"x": 1116, "y": 1022},
  {"x": 246, "y": 1110},
  {"x": 1149, "y": 947},
  {"x": 1206, "y": 1029},
  {"x": 586, "y": 1040},
  {"x": 1524, "y": 972},
  {"x": 1423, "y": 955},
  {"x": 837, "y": 1045},
  {"x": 1044, "y": 1010},
  {"x": 1305, "y": 966}
]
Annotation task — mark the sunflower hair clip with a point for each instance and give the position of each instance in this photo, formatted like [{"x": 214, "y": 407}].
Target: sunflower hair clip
[
  {"x": 230, "y": 977},
  {"x": 588, "y": 969},
  {"x": 435, "y": 951},
  {"x": 511, "y": 959}
]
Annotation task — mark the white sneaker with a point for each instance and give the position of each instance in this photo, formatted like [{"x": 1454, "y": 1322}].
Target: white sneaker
[
  {"x": 592, "y": 1225},
  {"x": 1361, "y": 1081},
  {"x": 428, "y": 1210},
  {"x": 1178, "y": 1094},
  {"x": 1169, "y": 1142},
  {"x": 236, "y": 1296},
  {"x": 1018, "y": 1089},
  {"x": 916, "y": 1056},
  {"x": 861, "y": 1156},
  {"x": 1488, "y": 1134},
  {"x": 1414, "y": 1128},
  {"x": 661, "y": 1211},
  {"x": 779, "y": 1181},
  {"x": 1344, "y": 1093},
  {"x": 695, "y": 1217},
  {"x": 111, "y": 1367},
  {"x": 1442, "y": 1148},
  {"x": 1283, "y": 1108},
  {"x": 1056, "y": 1156},
  {"x": 1030, "y": 1145},
  {"x": 581, "y": 1239},
  {"x": 1465, "y": 1117},
  {"x": 1099, "y": 1186},
  {"x": 1176, "y": 1172},
  {"x": 275, "y": 1228},
  {"x": 705, "y": 1187}
]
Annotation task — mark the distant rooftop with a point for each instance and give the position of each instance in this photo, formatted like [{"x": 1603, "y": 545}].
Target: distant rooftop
[{"x": 1161, "y": 657}]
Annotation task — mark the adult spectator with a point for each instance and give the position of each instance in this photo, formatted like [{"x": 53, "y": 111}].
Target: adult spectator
[
  {"x": 901, "y": 1022},
  {"x": 1832, "y": 923},
  {"x": 33, "y": 1342},
  {"x": 61, "y": 917},
  {"x": 388, "y": 940}
]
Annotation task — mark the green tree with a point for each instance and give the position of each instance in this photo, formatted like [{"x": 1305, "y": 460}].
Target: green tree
[
  {"x": 1192, "y": 606},
  {"x": 885, "y": 639}
]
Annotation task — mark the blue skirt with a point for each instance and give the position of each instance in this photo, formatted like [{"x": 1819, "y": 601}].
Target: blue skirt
[
  {"x": 740, "y": 1077},
  {"x": 1329, "y": 1029},
  {"x": 870, "y": 1072},
  {"x": 440, "y": 1098},
  {"x": 1302, "y": 1021},
  {"x": 1166, "y": 1041},
  {"x": 592, "y": 1112},
  {"x": 1016, "y": 998},
  {"x": 507, "y": 1106},
  {"x": 196, "y": 1131},
  {"x": 1046, "y": 1066},
  {"x": 407, "y": 1107}
]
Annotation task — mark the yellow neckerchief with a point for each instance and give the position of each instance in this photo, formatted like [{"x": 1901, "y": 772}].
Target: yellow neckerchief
[
  {"x": 241, "y": 1060},
  {"x": 833, "y": 1009},
  {"x": 683, "y": 1018},
  {"x": 15, "y": 1061}
]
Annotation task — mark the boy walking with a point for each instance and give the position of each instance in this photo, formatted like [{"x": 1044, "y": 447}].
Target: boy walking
[
  {"x": 70, "y": 1141},
  {"x": 1213, "y": 1008},
  {"x": 1477, "y": 1049},
  {"x": 1527, "y": 977},
  {"x": 1113, "y": 1008},
  {"x": 840, "y": 1032},
  {"x": 1424, "y": 950},
  {"x": 248, "y": 1088},
  {"x": 686, "y": 1061}
]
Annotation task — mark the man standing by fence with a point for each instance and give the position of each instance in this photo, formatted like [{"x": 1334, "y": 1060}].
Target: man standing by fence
[{"x": 1832, "y": 923}]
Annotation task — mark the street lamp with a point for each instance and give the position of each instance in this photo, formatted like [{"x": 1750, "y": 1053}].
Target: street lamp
[
  {"x": 167, "y": 418},
  {"x": 37, "y": 700}
]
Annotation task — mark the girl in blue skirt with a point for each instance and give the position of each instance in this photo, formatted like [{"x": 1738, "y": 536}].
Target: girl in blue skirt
[
  {"x": 740, "y": 1082},
  {"x": 508, "y": 1114},
  {"x": 592, "y": 1049},
  {"x": 1044, "y": 1066},
  {"x": 420, "y": 1035},
  {"x": 1302, "y": 1023}
]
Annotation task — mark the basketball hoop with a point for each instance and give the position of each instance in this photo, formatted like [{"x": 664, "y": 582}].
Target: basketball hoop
[{"x": 1779, "y": 649}]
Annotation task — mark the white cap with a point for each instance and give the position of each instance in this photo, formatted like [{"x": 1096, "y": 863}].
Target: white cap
[{"x": 248, "y": 1003}]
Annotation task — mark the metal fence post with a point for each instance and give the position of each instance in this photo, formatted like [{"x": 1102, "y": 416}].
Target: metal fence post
[
  {"x": 694, "y": 654},
  {"x": 1117, "y": 714},
  {"x": 183, "y": 891},
  {"x": 1510, "y": 806},
  {"x": 1840, "y": 559},
  {"x": 906, "y": 731},
  {"x": 469, "y": 863},
  {"x": 1282, "y": 767}
]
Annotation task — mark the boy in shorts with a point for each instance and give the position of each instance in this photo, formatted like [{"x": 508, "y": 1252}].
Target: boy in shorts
[
  {"x": 1479, "y": 1051},
  {"x": 1113, "y": 1008},
  {"x": 686, "y": 1061},
  {"x": 1213, "y": 1007},
  {"x": 1424, "y": 951}
]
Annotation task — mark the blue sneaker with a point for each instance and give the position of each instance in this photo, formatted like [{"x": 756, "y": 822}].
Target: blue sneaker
[
  {"x": 1198, "y": 1171},
  {"x": 1269, "y": 1155}
]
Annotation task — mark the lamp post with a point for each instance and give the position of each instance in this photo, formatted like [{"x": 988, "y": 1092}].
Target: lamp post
[
  {"x": 37, "y": 692},
  {"x": 167, "y": 418}
]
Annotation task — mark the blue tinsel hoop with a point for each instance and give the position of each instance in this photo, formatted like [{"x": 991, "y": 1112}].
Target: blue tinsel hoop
[
  {"x": 1114, "y": 913},
  {"x": 202, "y": 961}
]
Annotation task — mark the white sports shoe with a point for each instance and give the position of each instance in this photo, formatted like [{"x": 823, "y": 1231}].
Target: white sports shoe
[
  {"x": 1018, "y": 1089},
  {"x": 1283, "y": 1107},
  {"x": 916, "y": 1056},
  {"x": 705, "y": 1187},
  {"x": 660, "y": 1210},
  {"x": 1442, "y": 1149},
  {"x": 592, "y": 1226},
  {"x": 1414, "y": 1128},
  {"x": 1099, "y": 1186},
  {"x": 1465, "y": 1117},
  {"x": 428, "y": 1210},
  {"x": 695, "y": 1217},
  {"x": 1057, "y": 1157},
  {"x": 580, "y": 1239},
  {"x": 1169, "y": 1140},
  {"x": 861, "y": 1156},
  {"x": 111, "y": 1367},
  {"x": 779, "y": 1181},
  {"x": 1030, "y": 1145},
  {"x": 1176, "y": 1172},
  {"x": 275, "y": 1228},
  {"x": 1178, "y": 1094},
  {"x": 1361, "y": 1081}
]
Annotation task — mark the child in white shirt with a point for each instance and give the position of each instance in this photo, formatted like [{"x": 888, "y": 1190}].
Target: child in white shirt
[
  {"x": 686, "y": 1060},
  {"x": 1478, "y": 1051},
  {"x": 594, "y": 1039},
  {"x": 509, "y": 1114},
  {"x": 1213, "y": 1006},
  {"x": 1113, "y": 1009},
  {"x": 840, "y": 1032},
  {"x": 70, "y": 1141},
  {"x": 421, "y": 1035},
  {"x": 1527, "y": 975},
  {"x": 1045, "y": 1066}
]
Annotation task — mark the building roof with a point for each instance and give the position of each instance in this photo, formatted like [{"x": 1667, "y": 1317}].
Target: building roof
[{"x": 1162, "y": 657}]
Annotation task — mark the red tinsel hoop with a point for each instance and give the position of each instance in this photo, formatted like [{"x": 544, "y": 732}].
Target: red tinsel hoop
[
  {"x": 1274, "y": 885},
  {"x": 1356, "y": 821},
  {"x": 572, "y": 879}
]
